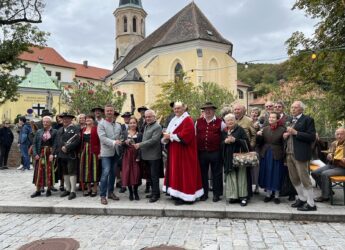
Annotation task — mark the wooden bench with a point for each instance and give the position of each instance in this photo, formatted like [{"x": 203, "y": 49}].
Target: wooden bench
[
  {"x": 334, "y": 182},
  {"x": 313, "y": 167}
]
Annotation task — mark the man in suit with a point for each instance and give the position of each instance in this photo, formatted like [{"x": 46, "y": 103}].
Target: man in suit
[
  {"x": 151, "y": 151},
  {"x": 299, "y": 137}
]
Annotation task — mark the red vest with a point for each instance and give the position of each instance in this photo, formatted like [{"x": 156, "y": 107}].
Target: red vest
[{"x": 208, "y": 134}]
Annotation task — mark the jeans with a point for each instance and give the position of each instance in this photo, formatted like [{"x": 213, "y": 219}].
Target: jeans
[
  {"x": 108, "y": 175},
  {"x": 321, "y": 176},
  {"x": 24, "y": 151}
]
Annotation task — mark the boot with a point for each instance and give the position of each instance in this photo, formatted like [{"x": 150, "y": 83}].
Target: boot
[
  {"x": 147, "y": 189},
  {"x": 136, "y": 196},
  {"x": 130, "y": 193}
]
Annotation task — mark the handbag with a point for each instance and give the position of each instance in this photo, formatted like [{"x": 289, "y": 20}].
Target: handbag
[{"x": 245, "y": 159}]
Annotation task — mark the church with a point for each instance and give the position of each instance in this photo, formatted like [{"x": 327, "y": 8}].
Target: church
[{"x": 187, "y": 42}]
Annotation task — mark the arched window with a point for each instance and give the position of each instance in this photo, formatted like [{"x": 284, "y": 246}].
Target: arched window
[
  {"x": 117, "y": 53},
  {"x": 134, "y": 24},
  {"x": 125, "y": 22},
  {"x": 213, "y": 73},
  {"x": 240, "y": 94},
  {"x": 178, "y": 72}
]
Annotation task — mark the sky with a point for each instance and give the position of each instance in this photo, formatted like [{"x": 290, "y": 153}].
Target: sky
[{"x": 85, "y": 29}]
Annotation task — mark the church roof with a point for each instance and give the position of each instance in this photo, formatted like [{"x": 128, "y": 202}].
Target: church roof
[
  {"x": 132, "y": 76},
  {"x": 90, "y": 72},
  {"x": 133, "y": 3},
  {"x": 187, "y": 25},
  {"x": 38, "y": 79},
  {"x": 45, "y": 55}
]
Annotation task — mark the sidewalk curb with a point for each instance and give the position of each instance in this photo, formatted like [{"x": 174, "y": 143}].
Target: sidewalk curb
[{"x": 169, "y": 212}]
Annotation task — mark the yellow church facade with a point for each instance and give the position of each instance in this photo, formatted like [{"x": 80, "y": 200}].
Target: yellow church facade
[{"x": 187, "y": 42}]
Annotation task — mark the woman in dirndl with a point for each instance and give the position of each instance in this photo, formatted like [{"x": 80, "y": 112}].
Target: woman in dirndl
[
  {"x": 43, "y": 142},
  {"x": 130, "y": 174},
  {"x": 272, "y": 170},
  {"x": 89, "y": 168}
]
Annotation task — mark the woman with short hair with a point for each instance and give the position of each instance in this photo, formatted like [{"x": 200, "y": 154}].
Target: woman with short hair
[{"x": 234, "y": 140}]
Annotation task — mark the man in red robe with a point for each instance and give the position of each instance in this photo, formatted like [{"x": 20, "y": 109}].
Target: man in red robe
[{"x": 183, "y": 178}]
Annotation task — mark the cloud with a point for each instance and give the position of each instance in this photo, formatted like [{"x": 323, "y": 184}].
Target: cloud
[{"x": 85, "y": 29}]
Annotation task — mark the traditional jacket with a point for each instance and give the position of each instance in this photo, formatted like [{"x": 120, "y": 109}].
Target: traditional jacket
[
  {"x": 272, "y": 139},
  {"x": 209, "y": 134},
  {"x": 63, "y": 135},
  {"x": 37, "y": 142}
]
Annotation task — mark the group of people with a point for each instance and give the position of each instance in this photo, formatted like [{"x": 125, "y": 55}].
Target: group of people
[{"x": 98, "y": 149}]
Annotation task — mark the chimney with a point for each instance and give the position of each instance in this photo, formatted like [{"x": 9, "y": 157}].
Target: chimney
[{"x": 85, "y": 63}]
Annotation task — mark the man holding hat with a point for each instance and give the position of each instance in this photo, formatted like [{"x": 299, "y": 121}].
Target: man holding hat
[
  {"x": 67, "y": 145},
  {"x": 98, "y": 113},
  {"x": 208, "y": 131},
  {"x": 141, "y": 122}
]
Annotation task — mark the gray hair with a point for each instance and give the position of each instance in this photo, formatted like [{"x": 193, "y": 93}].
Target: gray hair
[
  {"x": 301, "y": 104},
  {"x": 229, "y": 117},
  {"x": 47, "y": 118},
  {"x": 150, "y": 111}
]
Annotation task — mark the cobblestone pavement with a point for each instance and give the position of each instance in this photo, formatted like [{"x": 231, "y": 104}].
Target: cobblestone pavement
[{"x": 127, "y": 233}]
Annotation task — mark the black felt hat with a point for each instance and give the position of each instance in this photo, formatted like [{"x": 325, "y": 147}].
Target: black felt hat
[
  {"x": 46, "y": 112},
  {"x": 99, "y": 108},
  {"x": 208, "y": 105},
  {"x": 142, "y": 108},
  {"x": 65, "y": 114},
  {"x": 126, "y": 114}
]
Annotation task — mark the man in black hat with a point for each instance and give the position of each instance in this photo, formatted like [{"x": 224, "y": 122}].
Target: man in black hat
[
  {"x": 171, "y": 115},
  {"x": 98, "y": 113},
  {"x": 68, "y": 140},
  {"x": 141, "y": 122},
  {"x": 208, "y": 131}
]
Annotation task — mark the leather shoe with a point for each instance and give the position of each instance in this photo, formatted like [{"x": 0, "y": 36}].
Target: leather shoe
[
  {"x": 104, "y": 201},
  {"x": 122, "y": 190},
  {"x": 268, "y": 199},
  {"x": 204, "y": 198},
  {"x": 216, "y": 199},
  {"x": 179, "y": 202},
  {"x": 36, "y": 194},
  {"x": 112, "y": 196},
  {"x": 298, "y": 203},
  {"x": 48, "y": 193},
  {"x": 65, "y": 193},
  {"x": 307, "y": 208},
  {"x": 148, "y": 196},
  {"x": 154, "y": 199},
  {"x": 321, "y": 199},
  {"x": 276, "y": 201},
  {"x": 72, "y": 196},
  {"x": 232, "y": 201}
]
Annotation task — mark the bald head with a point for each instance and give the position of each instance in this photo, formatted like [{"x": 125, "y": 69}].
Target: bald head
[{"x": 239, "y": 110}]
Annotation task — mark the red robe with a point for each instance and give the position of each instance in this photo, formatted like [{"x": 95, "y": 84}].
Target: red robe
[{"x": 183, "y": 172}]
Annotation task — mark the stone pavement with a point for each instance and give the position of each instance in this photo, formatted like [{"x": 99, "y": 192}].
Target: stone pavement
[
  {"x": 16, "y": 188},
  {"x": 134, "y": 233}
]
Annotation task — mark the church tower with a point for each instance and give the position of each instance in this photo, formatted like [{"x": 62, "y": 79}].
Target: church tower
[{"x": 130, "y": 26}]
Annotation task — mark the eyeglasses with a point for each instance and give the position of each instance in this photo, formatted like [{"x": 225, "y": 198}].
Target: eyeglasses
[
  {"x": 278, "y": 106},
  {"x": 269, "y": 106}
]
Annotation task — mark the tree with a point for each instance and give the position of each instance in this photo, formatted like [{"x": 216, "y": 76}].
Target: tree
[
  {"x": 17, "y": 34},
  {"x": 326, "y": 69},
  {"x": 82, "y": 97},
  {"x": 193, "y": 96}
]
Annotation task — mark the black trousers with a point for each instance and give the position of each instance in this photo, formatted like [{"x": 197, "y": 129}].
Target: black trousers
[
  {"x": 207, "y": 159},
  {"x": 155, "y": 166},
  {"x": 4, "y": 151}
]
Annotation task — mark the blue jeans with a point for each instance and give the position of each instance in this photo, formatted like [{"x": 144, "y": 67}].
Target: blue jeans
[
  {"x": 108, "y": 175},
  {"x": 24, "y": 151}
]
